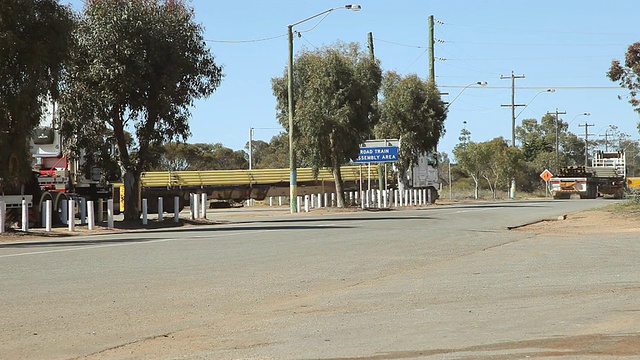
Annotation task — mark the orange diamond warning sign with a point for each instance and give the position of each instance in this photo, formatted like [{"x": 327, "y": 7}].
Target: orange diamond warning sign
[{"x": 546, "y": 175}]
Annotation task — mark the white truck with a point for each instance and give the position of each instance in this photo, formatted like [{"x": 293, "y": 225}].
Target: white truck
[
  {"x": 55, "y": 176},
  {"x": 606, "y": 176}
]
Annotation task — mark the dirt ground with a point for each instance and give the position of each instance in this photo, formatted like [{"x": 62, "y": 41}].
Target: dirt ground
[{"x": 589, "y": 222}]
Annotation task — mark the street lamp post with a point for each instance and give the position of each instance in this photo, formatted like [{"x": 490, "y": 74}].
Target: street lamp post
[
  {"x": 293, "y": 181},
  {"x": 481, "y": 83},
  {"x": 512, "y": 191}
]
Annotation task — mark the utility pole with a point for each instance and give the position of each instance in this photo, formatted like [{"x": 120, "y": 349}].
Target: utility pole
[
  {"x": 557, "y": 122},
  {"x": 586, "y": 142},
  {"x": 512, "y": 193},
  {"x": 381, "y": 172},
  {"x": 432, "y": 63},
  {"x": 250, "y": 146}
]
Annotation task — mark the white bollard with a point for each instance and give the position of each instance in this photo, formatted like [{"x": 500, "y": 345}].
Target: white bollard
[
  {"x": 176, "y": 209},
  {"x": 48, "y": 206},
  {"x": 298, "y": 203},
  {"x": 306, "y": 203},
  {"x": 110, "y": 213},
  {"x": 71, "y": 207},
  {"x": 326, "y": 200},
  {"x": 419, "y": 197},
  {"x": 160, "y": 209},
  {"x": 83, "y": 211},
  {"x": 406, "y": 198},
  {"x": 203, "y": 205},
  {"x": 25, "y": 215},
  {"x": 270, "y": 201},
  {"x": 333, "y": 200},
  {"x": 362, "y": 200},
  {"x": 91, "y": 223},
  {"x": 3, "y": 211},
  {"x": 319, "y": 204},
  {"x": 384, "y": 199},
  {"x": 430, "y": 199},
  {"x": 395, "y": 198},
  {"x": 145, "y": 209},
  {"x": 379, "y": 198},
  {"x": 351, "y": 198},
  {"x": 279, "y": 200},
  {"x": 195, "y": 206}
]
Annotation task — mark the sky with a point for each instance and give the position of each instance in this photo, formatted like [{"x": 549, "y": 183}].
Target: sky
[{"x": 564, "y": 45}]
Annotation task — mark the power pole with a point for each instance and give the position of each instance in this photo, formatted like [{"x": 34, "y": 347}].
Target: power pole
[
  {"x": 512, "y": 193},
  {"x": 372, "y": 55},
  {"x": 432, "y": 62},
  {"x": 586, "y": 142},
  {"x": 557, "y": 122}
]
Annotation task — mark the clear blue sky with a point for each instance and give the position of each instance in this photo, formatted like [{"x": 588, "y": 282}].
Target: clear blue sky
[{"x": 565, "y": 45}]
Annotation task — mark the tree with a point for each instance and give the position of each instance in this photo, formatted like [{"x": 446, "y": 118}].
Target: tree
[
  {"x": 413, "y": 111},
  {"x": 272, "y": 155},
  {"x": 177, "y": 156},
  {"x": 334, "y": 89},
  {"x": 35, "y": 36},
  {"x": 470, "y": 158},
  {"x": 137, "y": 64},
  {"x": 628, "y": 76}
]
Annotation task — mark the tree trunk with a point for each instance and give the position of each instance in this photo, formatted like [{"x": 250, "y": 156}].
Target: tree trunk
[
  {"x": 337, "y": 176},
  {"x": 131, "y": 195},
  {"x": 475, "y": 191}
]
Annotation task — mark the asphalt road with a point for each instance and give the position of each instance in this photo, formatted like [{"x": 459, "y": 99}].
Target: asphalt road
[{"x": 441, "y": 282}]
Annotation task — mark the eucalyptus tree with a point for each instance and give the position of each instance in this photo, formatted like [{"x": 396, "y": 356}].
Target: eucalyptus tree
[
  {"x": 412, "y": 110},
  {"x": 136, "y": 65},
  {"x": 35, "y": 36},
  {"x": 334, "y": 88},
  {"x": 628, "y": 75}
]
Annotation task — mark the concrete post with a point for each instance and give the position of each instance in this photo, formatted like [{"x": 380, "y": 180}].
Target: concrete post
[
  {"x": 306, "y": 203},
  {"x": 91, "y": 223},
  {"x": 145, "y": 208},
  {"x": 203, "y": 205},
  {"x": 25, "y": 216},
  {"x": 176, "y": 209},
  {"x": 48, "y": 207},
  {"x": 3, "y": 211},
  {"x": 71, "y": 207},
  {"x": 160, "y": 209},
  {"x": 100, "y": 210},
  {"x": 110, "y": 213}
]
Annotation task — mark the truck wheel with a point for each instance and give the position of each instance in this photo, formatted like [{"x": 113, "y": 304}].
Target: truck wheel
[
  {"x": 43, "y": 202},
  {"x": 57, "y": 208}
]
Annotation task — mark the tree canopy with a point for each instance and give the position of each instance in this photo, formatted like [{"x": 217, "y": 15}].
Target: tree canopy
[
  {"x": 628, "y": 75},
  {"x": 334, "y": 89},
  {"x": 136, "y": 65},
  {"x": 34, "y": 39},
  {"x": 412, "y": 110}
]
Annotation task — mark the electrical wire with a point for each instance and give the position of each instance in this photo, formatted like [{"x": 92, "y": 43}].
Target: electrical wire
[{"x": 245, "y": 41}]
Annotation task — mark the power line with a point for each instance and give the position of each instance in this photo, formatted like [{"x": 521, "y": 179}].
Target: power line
[{"x": 245, "y": 41}]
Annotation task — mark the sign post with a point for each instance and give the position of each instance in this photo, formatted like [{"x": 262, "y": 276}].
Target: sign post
[
  {"x": 377, "y": 154},
  {"x": 546, "y": 175}
]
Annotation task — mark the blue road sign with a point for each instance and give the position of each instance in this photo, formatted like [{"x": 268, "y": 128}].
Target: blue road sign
[{"x": 377, "y": 154}]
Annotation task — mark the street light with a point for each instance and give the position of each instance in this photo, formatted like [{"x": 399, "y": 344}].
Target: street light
[
  {"x": 481, "y": 83},
  {"x": 512, "y": 191},
  {"x": 543, "y": 91},
  {"x": 293, "y": 182}
]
